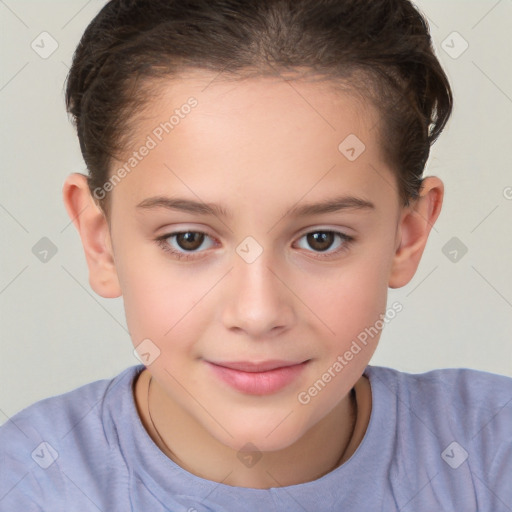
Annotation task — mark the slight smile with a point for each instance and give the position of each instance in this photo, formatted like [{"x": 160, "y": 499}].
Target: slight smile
[{"x": 261, "y": 378}]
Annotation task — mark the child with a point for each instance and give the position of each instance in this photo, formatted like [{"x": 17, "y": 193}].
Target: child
[{"x": 288, "y": 139}]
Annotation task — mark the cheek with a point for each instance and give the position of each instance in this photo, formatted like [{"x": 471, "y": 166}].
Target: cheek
[
  {"x": 161, "y": 303},
  {"x": 348, "y": 309},
  {"x": 348, "y": 299}
]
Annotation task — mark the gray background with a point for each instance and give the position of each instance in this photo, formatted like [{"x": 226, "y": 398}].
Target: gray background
[{"x": 57, "y": 334}]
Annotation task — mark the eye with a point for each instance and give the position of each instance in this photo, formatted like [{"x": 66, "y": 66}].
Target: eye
[
  {"x": 322, "y": 240},
  {"x": 187, "y": 243},
  {"x": 186, "y": 240}
]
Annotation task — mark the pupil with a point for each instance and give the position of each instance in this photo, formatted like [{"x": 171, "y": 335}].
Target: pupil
[
  {"x": 322, "y": 236},
  {"x": 188, "y": 240}
]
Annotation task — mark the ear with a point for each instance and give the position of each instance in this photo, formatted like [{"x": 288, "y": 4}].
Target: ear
[
  {"x": 414, "y": 226},
  {"x": 94, "y": 231}
]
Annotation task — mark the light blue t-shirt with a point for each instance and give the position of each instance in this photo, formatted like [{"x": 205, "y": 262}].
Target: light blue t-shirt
[{"x": 438, "y": 441}]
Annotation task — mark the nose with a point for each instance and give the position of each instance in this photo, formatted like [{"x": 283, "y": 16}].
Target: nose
[{"x": 258, "y": 300}]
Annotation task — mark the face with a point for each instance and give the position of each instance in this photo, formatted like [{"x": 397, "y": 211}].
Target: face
[{"x": 261, "y": 277}]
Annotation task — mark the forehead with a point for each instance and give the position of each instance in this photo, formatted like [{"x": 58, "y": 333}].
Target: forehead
[
  {"x": 309, "y": 105},
  {"x": 260, "y": 136}
]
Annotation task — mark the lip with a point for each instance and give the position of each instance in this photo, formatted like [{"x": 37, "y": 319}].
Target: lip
[
  {"x": 261, "y": 378},
  {"x": 251, "y": 366}
]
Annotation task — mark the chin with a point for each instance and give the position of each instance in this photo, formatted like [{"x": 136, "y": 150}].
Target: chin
[{"x": 265, "y": 436}]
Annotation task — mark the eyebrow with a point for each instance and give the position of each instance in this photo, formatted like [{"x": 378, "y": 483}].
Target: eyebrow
[{"x": 331, "y": 205}]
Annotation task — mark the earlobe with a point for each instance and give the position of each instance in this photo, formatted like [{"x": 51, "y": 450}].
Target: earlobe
[
  {"x": 414, "y": 227},
  {"x": 94, "y": 232}
]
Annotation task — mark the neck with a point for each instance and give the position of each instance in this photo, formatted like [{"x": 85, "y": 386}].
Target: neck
[{"x": 324, "y": 447}]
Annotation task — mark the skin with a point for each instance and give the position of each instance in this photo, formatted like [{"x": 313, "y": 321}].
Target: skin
[{"x": 258, "y": 148}]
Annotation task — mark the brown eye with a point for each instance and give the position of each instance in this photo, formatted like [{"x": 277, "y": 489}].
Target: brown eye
[
  {"x": 190, "y": 241},
  {"x": 183, "y": 244},
  {"x": 321, "y": 241}
]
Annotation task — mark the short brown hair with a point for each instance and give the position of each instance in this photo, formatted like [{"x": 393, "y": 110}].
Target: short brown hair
[{"x": 380, "y": 47}]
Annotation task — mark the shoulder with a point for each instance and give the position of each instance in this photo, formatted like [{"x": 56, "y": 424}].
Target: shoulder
[
  {"x": 465, "y": 399},
  {"x": 464, "y": 388},
  {"x": 53, "y": 415},
  {"x": 450, "y": 428},
  {"x": 464, "y": 382},
  {"x": 40, "y": 442}
]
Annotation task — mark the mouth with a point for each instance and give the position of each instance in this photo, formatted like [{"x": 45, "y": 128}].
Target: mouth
[
  {"x": 252, "y": 367},
  {"x": 261, "y": 378}
]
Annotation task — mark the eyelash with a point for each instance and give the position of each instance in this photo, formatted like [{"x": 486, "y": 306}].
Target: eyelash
[{"x": 162, "y": 242}]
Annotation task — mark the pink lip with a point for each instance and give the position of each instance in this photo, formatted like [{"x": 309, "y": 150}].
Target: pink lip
[{"x": 258, "y": 378}]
